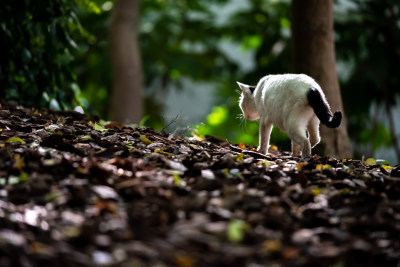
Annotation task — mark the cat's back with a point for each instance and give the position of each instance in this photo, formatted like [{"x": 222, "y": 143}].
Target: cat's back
[{"x": 293, "y": 84}]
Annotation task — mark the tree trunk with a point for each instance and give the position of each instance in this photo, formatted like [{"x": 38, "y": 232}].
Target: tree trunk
[
  {"x": 314, "y": 55},
  {"x": 126, "y": 65}
]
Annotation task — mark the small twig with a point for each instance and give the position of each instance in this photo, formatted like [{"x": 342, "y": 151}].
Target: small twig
[
  {"x": 254, "y": 154},
  {"x": 174, "y": 120}
]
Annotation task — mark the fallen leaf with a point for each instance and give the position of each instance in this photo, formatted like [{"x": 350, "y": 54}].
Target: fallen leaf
[
  {"x": 238, "y": 157},
  {"x": 236, "y": 230},
  {"x": 145, "y": 140},
  {"x": 14, "y": 140},
  {"x": 272, "y": 245},
  {"x": 370, "y": 161},
  {"x": 163, "y": 152},
  {"x": 99, "y": 127}
]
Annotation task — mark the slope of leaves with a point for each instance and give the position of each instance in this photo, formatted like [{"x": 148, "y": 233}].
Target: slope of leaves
[{"x": 76, "y": 192}]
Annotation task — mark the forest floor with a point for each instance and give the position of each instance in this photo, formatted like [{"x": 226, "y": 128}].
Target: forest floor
[{"x": 74, "y": 192}]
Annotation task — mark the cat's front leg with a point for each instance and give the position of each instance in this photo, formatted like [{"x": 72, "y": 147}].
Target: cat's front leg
[{"x": 265, "y": 132}]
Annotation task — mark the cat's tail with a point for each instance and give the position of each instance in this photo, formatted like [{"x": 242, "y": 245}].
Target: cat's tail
[{"x": 322, "y": 109}]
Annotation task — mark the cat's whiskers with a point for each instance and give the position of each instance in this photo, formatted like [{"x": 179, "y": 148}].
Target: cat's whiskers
[{"x": 242, "y": 121}]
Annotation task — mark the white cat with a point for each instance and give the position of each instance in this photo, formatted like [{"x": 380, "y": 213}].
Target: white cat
[{"x": 293, "y": 102}]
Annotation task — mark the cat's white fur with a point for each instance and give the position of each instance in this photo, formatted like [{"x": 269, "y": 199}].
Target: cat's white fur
[{"x": 281, "y": 100}]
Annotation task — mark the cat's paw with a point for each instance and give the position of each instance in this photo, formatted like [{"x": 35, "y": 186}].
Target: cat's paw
[{"x": 261, "y": 150}]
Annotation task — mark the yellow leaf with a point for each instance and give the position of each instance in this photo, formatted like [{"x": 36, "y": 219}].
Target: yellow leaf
[
  {"x": 18, "y": 162},
  {"x": 274, "y": 147},
  {"x": 99, "y": 128},
  {"x": 238, "y": 157},
  {"x": 272, "y": 245},
  {"x": 14, "y": 140},
  {"x": 266, "y": 162},
  {"x": 370, "y": 161},
  {"x": 386, "y": 167},
  {"x": 184, "y": 261},
  {"x": 242, "y": 146},
  {"x": 321, "y": 167},
  {"x": 86, "y": 137},
  {"x": 316, "y": 191},
  {"x": 301, "y": 165},
  {"x": 177, "y": 180},
  {"x": 163, "y": 152},
  {"x": 197, "y": 137},
  {"x": 145, "y": 140}
]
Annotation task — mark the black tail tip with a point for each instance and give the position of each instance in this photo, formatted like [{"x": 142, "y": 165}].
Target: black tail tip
[{"x": 336, "y": 120}]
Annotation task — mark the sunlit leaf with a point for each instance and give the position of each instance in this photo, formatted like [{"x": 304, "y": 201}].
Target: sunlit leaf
[
  {"x": 218, "y": 116},
  {"x": 85, "y": 137},
  {"x": 23, "y": 177},
  {"x": 18, "y": 179},
  {"x": 238, "y": 157},
  {"x": 253, "y": 41},
  {"x": 242, "y": 146},
  {"x": 177, "y": 180},
  {"x": 99, "y": 128},
  {"x": 301, "y": 165},
  {"x": 18, "y": 161},
  {"x": 386, "y": 167},
  {"x": 266, "y": 163},
  {"x": 163, "y": 152},
  {"x": 14, "y": 140},
  {"x": 89, "y": 6},
  {"x": 236, "y": 230},
  {"x": 370, "y": 161},
  {"x": 321, "y": 167},
  {"x": 316, "y": 191},
  {"x": 143, "y": 120},
  {"x": 129, "y": 145},
  {"x": 145, "y": 140}
]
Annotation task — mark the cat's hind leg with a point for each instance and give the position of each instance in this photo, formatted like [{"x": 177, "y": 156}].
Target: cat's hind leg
[
  {"x": 313, "y": 131},
  {"x": 298, "y": 136},
  {"x": 295, "y": 149},
  {"x": 265, "y": 132}
]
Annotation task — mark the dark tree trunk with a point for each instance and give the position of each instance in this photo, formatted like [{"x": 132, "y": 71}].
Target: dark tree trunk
[
  {"x": 314, "y": 54},
  {"x": 127, "y": 71}
]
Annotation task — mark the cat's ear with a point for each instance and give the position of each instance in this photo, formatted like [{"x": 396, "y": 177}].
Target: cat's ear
[{"x": 243, "y": 86}]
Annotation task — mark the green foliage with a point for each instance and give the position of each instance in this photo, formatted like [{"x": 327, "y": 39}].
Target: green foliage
[
  {"x": 367, "y": 43},
  {"x": 39, "y": 44}
]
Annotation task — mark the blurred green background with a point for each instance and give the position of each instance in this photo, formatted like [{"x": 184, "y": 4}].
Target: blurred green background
[{"x": 192, "y": 53}]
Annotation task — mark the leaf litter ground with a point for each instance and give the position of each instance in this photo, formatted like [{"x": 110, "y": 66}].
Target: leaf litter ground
[{"x": 74, "y": 192}]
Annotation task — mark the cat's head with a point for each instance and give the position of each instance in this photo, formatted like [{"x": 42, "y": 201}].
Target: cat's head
[{"x": 247, "y": 102}]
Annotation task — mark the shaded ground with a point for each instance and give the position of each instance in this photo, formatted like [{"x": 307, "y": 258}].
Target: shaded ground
[{"x": 74, "y": 193}]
